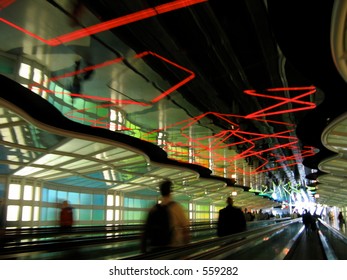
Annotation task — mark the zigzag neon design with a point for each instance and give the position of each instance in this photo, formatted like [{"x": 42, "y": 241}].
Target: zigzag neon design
[{"x": 306, "y": 105}]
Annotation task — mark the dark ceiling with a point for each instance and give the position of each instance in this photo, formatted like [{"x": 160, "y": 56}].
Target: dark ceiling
[
  {"x": 233, "y": 46},
  {"x": 259, "y": 76},
  {"x": 302, "y": 30}
]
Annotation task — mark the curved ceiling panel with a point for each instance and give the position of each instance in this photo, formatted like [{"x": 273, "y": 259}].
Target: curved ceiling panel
[
  {"x": 332, "y": 187},
  {"x": 338, "y": 36},
  {"x": 60, "y": 151},
  {"x": 334, "y": 137},
  {"x": 332, "y": 180},
  {"x": 336, "y": 165},
  {"x": 227, "y": 89}
]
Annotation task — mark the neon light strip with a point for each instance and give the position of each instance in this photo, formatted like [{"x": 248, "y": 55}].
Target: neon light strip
[
  {"x": 236, "y": 132},
  {"x": 309, "y": 105},
  {"x": 5, "y": 3},
  {"x": 103, "y": 26},
  {"x": 115, "y": 61},
  {"x": 88, "y": 68},
  {"x": 173, "y": 88}
]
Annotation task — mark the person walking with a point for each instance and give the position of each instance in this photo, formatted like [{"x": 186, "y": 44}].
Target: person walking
[
  {"x": 342, "y": 221},
  {"x": 307, "y": 220},
  {"x": 167, "y": 224},
  {"x": 66, "y": 216},
  {"x": 230, "y": 220}
]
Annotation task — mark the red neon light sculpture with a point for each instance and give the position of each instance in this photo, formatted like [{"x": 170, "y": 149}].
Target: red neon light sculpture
[{"x": 104, "y": 26}]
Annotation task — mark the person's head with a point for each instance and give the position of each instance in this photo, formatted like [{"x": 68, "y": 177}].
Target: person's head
[
  {"x": 166, "y": 188},
  {"x": 230, "y": 201}
]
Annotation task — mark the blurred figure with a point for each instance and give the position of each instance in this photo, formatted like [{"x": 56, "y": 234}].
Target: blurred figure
[
  {"x": 342, "y": 221},
  {"x": 248, "y": 215},
  {"x": 314, "y": 226},
  {"x": 307, "y": 220},
  {"x": 261, "y": 215},
  {"x": 331, "y": 218},
  {"x": 231, "y": 220},
  {"x": 296, "y": 214},
  {"x": 167, "y": 225},
  {"x": 66, "y": 216}
]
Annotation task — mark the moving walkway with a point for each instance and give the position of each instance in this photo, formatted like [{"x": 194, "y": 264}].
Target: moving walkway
[{"x": 281, "y": 239}]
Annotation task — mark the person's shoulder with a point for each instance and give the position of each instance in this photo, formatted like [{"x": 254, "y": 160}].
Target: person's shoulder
[
  {"x": 174, "y": 205},
  {"x": 153, "y": 208}
]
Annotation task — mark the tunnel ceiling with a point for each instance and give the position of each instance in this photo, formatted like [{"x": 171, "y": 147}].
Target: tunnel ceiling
[
  {"x": 263, "y": 47},
  {"x": 249, "y": 85}
]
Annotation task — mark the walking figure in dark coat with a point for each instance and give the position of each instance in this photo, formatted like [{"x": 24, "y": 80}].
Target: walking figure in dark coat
[
  {"x": 231, "y": 220},
  {"x": 307, "y": 220}
]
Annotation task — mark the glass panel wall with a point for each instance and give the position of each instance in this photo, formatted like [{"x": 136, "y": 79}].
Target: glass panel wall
[{"x": 33, "y": 203}]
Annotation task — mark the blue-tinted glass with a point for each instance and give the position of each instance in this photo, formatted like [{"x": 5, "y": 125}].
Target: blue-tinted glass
[
  {"x": 7, "y": 65},
  {"x": 126, "y": 215},
  {"x": 44, "y": 195},
  {"x": 140, "y": 203},
  {"x": 43, "y": 215},
  {"x": 147, "y": 203},
  {"x": 137, "y": 215},
  {"x": 52, "y": 86},
  {"x": 129, "y": 202},
  {"x": 50, "y": 98},
  {"x": 52, "y": 195},
  {"x": 134, "y": 215},
  {"x": 99, "y": 199},
  {"x": 85, "y": 214},
  {"x": 86, "y": 199},
  {"x": 62, "y": 196},
  {"x": 73, "y": 198},
  {"x": 185, "y": 205},
  {"x": 52, "y": 214},
  {"x": 98, "y": 215}
]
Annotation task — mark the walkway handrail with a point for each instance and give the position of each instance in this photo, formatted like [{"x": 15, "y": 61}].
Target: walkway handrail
[{"x": 216, "y": 247}]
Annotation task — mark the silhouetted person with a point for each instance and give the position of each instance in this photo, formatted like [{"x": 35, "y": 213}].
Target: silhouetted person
[
  {"x": 314, "y": 222},
  {"x": 66, "y": 216},
  {"x": 248, "y": 215},
  {"x": 231, "y": 220},
  {"x": 341, "y": 220},
  {"x": 331, "y": 218},
  {"x": 307, "y": 220},
  {"x": 155, "y": 236}
]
